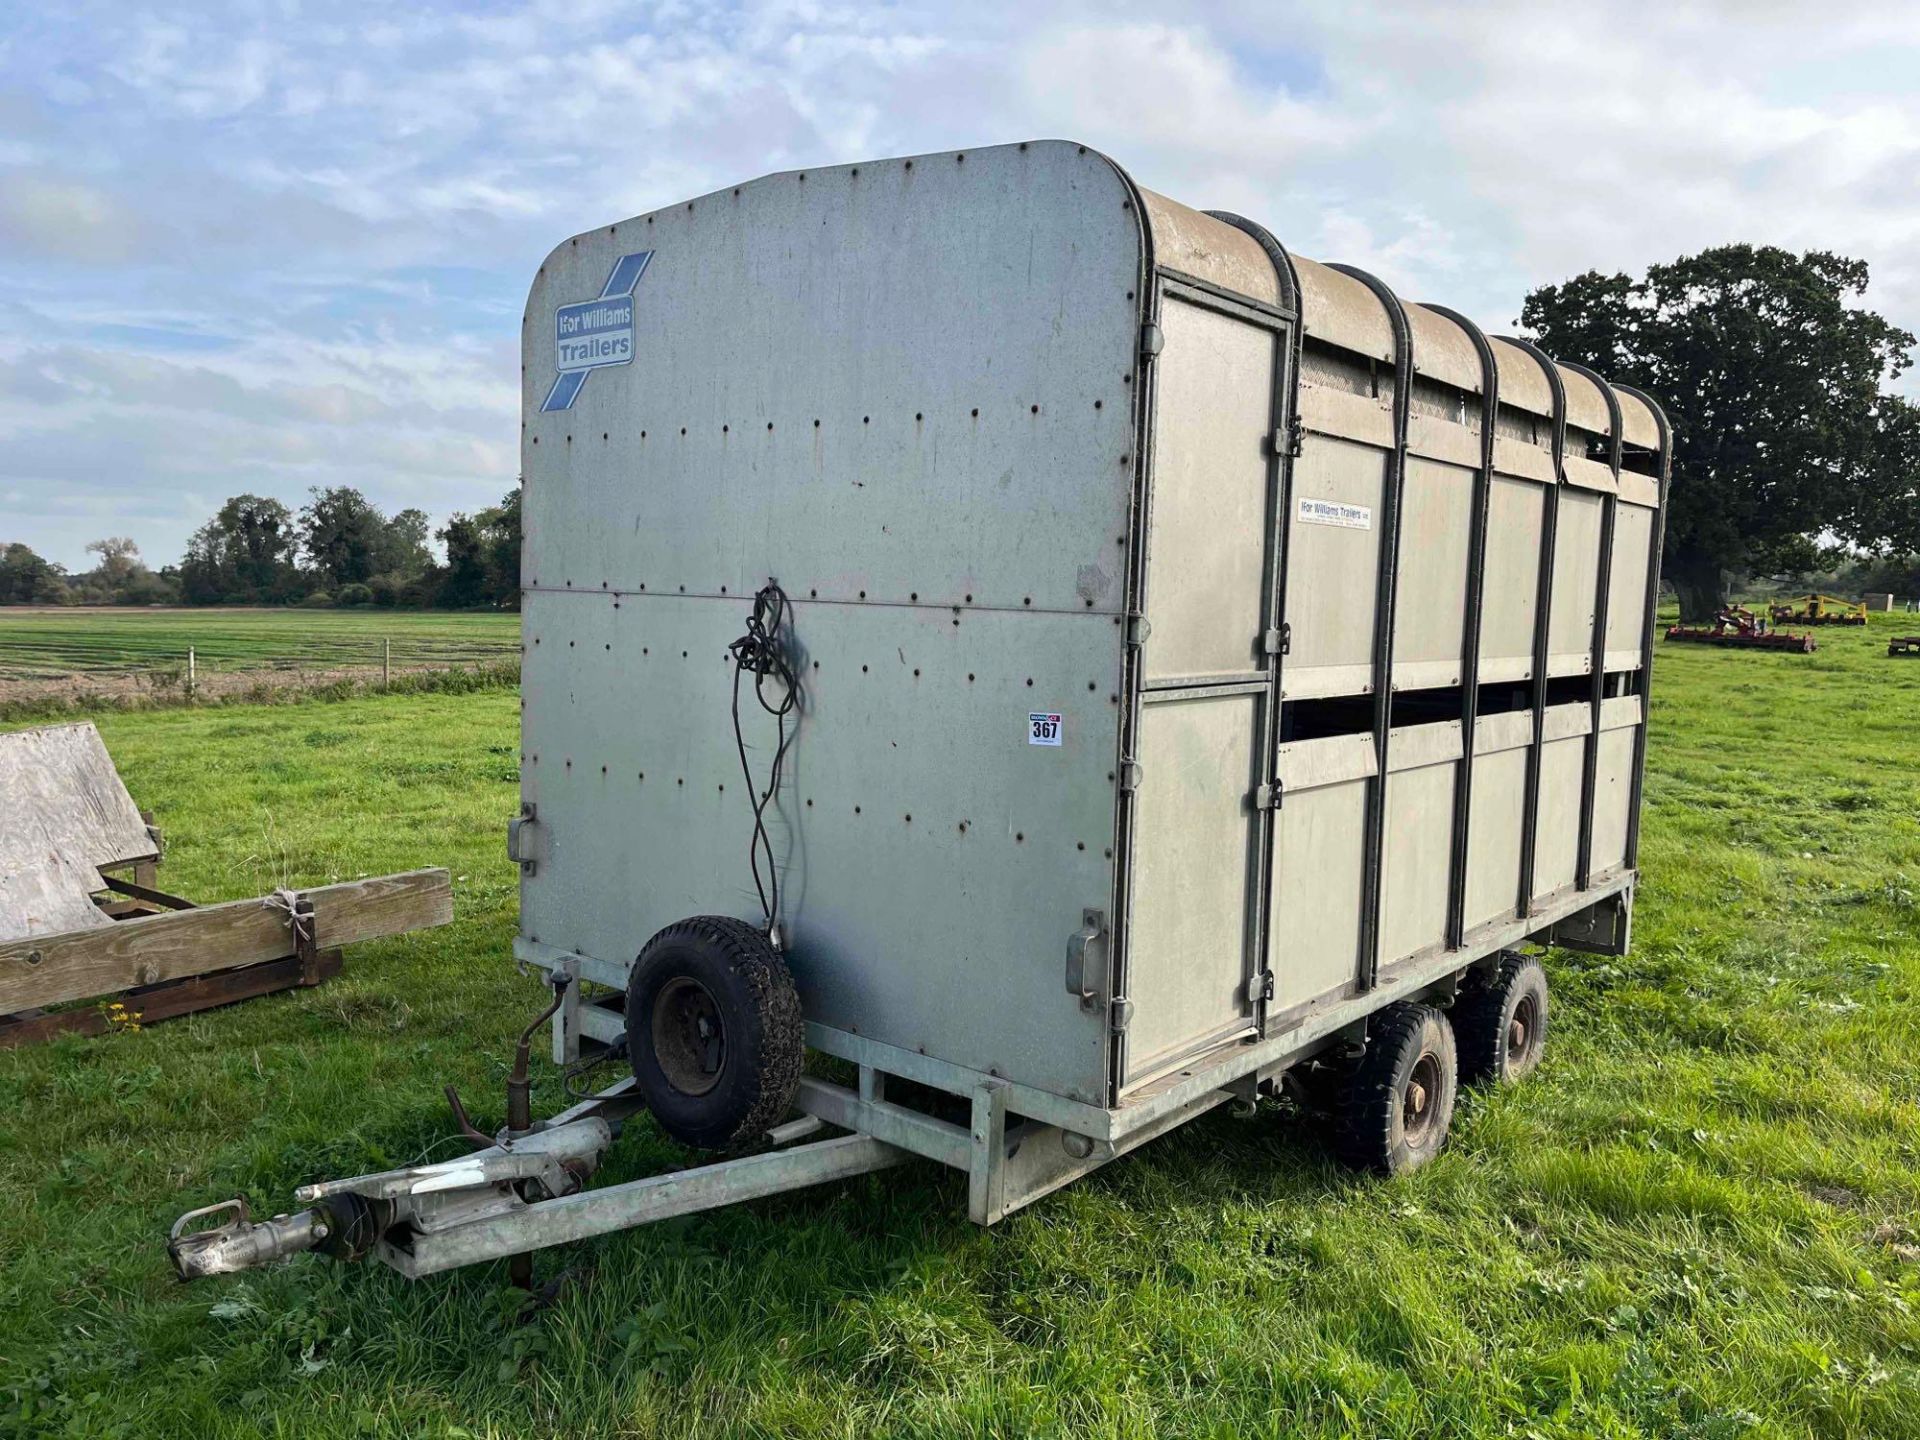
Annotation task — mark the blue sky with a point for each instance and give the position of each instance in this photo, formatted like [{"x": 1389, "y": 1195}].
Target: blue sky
[{"x": 271, "y": 246}]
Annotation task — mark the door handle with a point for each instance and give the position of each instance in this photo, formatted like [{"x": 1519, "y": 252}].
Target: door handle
[{"x": 1090, "y": 937}]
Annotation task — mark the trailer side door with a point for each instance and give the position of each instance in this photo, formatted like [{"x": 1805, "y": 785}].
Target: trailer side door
[{"x": 1192, "y": 942}]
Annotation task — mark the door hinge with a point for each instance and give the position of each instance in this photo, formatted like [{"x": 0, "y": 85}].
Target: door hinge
[
  {"x": 1120, "y": 1013},
  {"x": 1268, "y": 797},
  {"x": 1260, "y": 988},
  {"x": 1278, "y": 641},
  {"x": 1296, "y": 436},
  {"x": 1152, "y": 340},
  {"x": 1131, "y": 774},
  {"x": 1138, "y": 629}
]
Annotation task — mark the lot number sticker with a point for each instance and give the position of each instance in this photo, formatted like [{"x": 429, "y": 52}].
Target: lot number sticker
[{"x": 1043, "y": 729}]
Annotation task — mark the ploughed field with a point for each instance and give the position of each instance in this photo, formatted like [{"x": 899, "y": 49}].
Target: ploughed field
[
  {"x": 124, "y": 653},
  {"x": 1701, "y": 1216}
]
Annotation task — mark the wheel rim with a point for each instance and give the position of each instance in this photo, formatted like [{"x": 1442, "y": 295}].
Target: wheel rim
[
  {"x": 1523, "y": 1030},
  {"x": 1420, "y": 1101},
  {"x": 689, "y": 1040}
]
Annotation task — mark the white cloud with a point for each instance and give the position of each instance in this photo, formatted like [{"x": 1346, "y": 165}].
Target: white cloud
[{"x": 274, "y": 249}]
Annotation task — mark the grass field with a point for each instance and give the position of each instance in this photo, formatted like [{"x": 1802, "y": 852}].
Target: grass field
[
  {"x": 65, "y": 652},
  {"x": 1701, "y": 1217}
]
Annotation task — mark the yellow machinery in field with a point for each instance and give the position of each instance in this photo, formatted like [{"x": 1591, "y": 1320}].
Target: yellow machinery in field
[{"x": 1820, "y": 610}]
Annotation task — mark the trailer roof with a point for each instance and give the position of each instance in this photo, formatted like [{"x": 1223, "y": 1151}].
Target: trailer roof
[{"x": 1339, "y": 310}]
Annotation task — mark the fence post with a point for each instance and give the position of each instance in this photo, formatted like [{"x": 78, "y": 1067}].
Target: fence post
[
  {"x": 190, "y": 672},
  {"x": 386, "y": 663}
]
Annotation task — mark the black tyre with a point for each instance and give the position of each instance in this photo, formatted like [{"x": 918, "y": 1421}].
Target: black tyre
[
  {"x": 1399, "y": 1100},
  {"x": 714, "y": 1032},
  {"x": 1501, "y": 1023}
]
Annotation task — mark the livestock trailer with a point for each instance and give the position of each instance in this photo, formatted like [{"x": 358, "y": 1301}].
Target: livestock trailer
[{"x": 1056, "y": 653}]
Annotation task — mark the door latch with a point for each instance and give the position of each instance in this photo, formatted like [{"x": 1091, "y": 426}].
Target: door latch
[
  {"x": 1087, "y": 959},
  {"x": 522, "y": 839}
]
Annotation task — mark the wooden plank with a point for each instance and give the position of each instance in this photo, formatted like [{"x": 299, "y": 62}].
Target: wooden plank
[
  {"x": 169, "y": 1000},
  {"x": 153, "y": 948},
  {"x": 67, "y": 813}
]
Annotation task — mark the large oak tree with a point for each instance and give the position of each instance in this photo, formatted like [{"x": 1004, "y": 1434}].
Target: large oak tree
[{"x": 1773, "y": 376}]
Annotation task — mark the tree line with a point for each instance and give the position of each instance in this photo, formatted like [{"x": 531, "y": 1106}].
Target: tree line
[
  {"x": 338, "y": 549},
  {"x": 1791, "y": 455}
]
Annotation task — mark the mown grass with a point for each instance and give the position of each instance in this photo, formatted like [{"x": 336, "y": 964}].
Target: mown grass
[
  {"x": 1701, "y": 1218},
  {"x": 49, "y": 643}
]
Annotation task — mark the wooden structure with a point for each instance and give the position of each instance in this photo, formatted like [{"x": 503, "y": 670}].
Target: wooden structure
[{"x": 82, "y": 914}]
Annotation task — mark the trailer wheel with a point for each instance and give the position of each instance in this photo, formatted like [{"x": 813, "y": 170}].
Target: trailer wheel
[
  {"x": 714, "y": 1032},
  {"x": 1502, "y": 1023},
  {"x": 1399, "y": 1100}
]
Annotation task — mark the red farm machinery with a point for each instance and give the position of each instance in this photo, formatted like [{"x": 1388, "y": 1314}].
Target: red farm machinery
[{"x": 1737, "y": 628}]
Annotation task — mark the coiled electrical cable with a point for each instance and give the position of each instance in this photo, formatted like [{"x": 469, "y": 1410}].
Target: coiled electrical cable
[{"x": 760, "y": 653}]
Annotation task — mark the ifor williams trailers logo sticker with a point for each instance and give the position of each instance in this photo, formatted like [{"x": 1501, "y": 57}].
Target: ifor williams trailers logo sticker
[{"x": 591, "y": 333}]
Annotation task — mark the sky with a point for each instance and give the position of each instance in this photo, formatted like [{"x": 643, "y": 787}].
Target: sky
[{"x": 266, "y": 247}]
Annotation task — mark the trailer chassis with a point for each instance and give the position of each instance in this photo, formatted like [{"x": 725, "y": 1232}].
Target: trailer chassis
[{"x": 527, "y": 1189}]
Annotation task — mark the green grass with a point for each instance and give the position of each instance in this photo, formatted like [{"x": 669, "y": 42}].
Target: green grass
[
  {"x": 1700, "y": 1218},
  {"x": 39, "y": 644}
]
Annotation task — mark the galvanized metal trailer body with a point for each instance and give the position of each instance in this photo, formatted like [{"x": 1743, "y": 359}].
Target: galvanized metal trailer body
[
  {"x": 1200, "y": 650},
  {"x": 1341, "y": 611}
]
